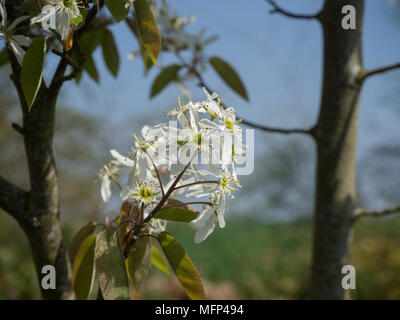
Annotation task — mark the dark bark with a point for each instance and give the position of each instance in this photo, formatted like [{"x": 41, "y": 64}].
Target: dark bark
[
  {"x": 37, "y": 211},
  {"x": 336, "y": 134},
  {"x": 41, "y": 221}
]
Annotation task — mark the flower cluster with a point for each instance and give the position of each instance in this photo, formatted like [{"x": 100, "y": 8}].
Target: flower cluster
[
  {"x": 14, "y": 41},
  {"x": 191, "y": 156},
  {"x": 67, "y": 14}
]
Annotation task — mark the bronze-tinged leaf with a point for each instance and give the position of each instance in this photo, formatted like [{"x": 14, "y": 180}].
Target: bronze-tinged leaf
[
  {"x": 138, "y": 265},
  {"x": 165, "y": 76},
  {"x": 183, "y": 267},
  {"x": 79, "y": 237},
  {"x": 175, "y": 210},
  {"x": 229, "y": 75},
  {"x": 83, "y": 267},
  {"x": 158, "y": 261},
  {"x": 110, "y": 266},
  {"x": 148, "y": 29}
]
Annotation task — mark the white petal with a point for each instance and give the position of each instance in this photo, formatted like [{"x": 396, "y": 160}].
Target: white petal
[
  {"x": 43, "y": 16},
  {"x": 18, "y": 51},
  {"x": 22, "y": 40},
  {"x": 17, "y": 22},
  {"x": 206, "y": 123},
  {"x": 121, "y": 159},
  {"x": 105, "y": 188},
  {"x": 208, "y": 228},
  {"x": 63, "y": 24}
]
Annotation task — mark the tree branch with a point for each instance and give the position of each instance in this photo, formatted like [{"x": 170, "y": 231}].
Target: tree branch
[
  {"x": 13, "y": 199},
  {"x": 368, "y": 73},
  {"x": 360, "y": 213},
  {"x": 252, "y": 124},
  {"x": 278, "y": 9}
]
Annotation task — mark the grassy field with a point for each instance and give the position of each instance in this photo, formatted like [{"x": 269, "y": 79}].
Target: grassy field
[{"x": 245, "y": 260}]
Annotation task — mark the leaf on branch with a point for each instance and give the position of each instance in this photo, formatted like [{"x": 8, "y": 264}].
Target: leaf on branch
[
  {"x": 166, "y": 75},
  {"x": 90, "y": 40},
  {"x": 138, "y": 264},
  {"x": 175, "y": 210},
  {"x": 158, "y": 261},
  {"x": 148, "y": 29},
  {"x": 78, "y": 239},
  {"x": 182, "y": 265},
  {"x": 229, "y": 75},
  {"x": 32, "y": 70},
  {"x": 91, "y": 69},
  {"x": 117, "y": 9},
  {"x": 110, "y": 52},
  {"x": 82, "y": 270},
  {"x": 110, "y": 267}
]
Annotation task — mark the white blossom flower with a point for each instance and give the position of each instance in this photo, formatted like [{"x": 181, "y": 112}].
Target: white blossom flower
[
  {"x": 14, "y": 41},
  {"x": 144, "y": 191},
  {"x": 67, "y": 14},
  {"x": 153, "y": 176}
]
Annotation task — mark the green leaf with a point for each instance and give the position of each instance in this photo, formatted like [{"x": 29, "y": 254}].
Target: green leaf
[
  {"x": 110, "y": 266},
  {"x": 180, "y": 212},
  {"x": 90, "y": 40},
  {"x": 117, "y": 9},
  {"x": 79, "y": 237},
  {"x": 229, "y": 75},
  {"x": 32, "y": 68},
  {"x": 91, "y": 69},
  {"x": 182, "y": 265},
  {"x": 148, "y": 29},
  {"x": 147, "y": 62},
  {"x": 138, "y": 264},
  {"x": 3, "y": 56},
  {"x": 82, "y": 270},
  {"x": 166, "y": 75},
  {"x": 158, "y": 261},
  {"x": 110, "y": 52}
]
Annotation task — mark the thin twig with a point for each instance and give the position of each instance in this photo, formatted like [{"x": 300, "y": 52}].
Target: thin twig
[
  {"x": 195, "y": 183},
  {"x": 360, "y": 213},
  {"x": 278, "y": 9},
  {"x": 369, "y": 73},
  {"x": 202, "y": 83}
]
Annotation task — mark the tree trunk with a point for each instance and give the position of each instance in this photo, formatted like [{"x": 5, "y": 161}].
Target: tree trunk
[
  {"x": 336, "y": 135},
  {"x": 41, "y": 222}
]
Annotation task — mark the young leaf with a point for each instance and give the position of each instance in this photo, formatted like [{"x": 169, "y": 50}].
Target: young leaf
[
  {"x": 229, "y": 75},
  {"x": 79, "y": 237},
  {"x": 32, "y": 68},
  {"x": 138, "y": 264},
  {"x": 164, "y": 78},
  {"x": 175, "y": 210},
  {"x": 90, "y": 40},
  {"x": 117, "y": 9},
  {"x": 82, "y": 270},
  {"x": 158, "y": 261},
  {"x": 110, "y": 52},
  {"x": 110, "y": 266},
  {"x": 91, "y": 69},
  {"x": 182, "y": 265},
  {"x": 148, "y": 29}
]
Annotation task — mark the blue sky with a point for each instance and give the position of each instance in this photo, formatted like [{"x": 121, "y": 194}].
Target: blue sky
[{"x": 279, "y": 60}]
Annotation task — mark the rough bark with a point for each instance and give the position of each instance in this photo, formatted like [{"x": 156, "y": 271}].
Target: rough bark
[
  {"x": 336, "y": 134},
  {"x": 41, "y": 221},
  {"x": 37, "y": 211}
]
